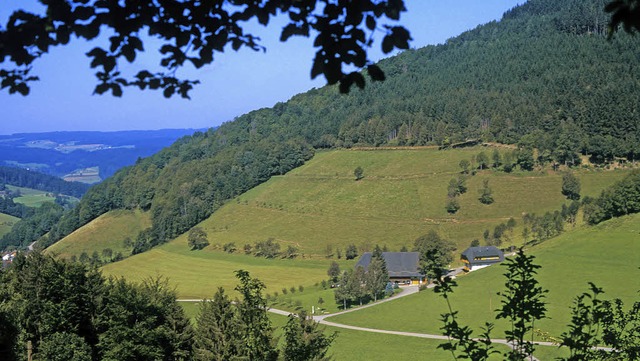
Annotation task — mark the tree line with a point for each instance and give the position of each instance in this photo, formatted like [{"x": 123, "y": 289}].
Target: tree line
[
  {"x": 67, "y": 311},
  {"x": 34, "y": 225},
  {"x": 183, "y": 184},
  {"x": 43, "y": 182},
  {"x": 361, "y": 285},
  {"x": 620, "y": 199}
]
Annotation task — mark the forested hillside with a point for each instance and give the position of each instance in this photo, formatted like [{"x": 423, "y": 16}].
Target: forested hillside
[{"x": 543, "y": 77}]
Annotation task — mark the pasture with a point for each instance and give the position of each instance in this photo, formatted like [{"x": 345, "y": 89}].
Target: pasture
[
  {"x": 6, "y": 223},
  {"x": 31, "y": 197},
  {"x": 107, "y": 231},
  {"x": 197, "y": 274},
  {"x": 401, "y": 197},
  {"x": 606, "y": 254},
  {"x": 320, "y": 206}
]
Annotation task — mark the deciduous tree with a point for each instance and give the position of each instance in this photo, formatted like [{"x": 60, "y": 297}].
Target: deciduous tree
[
  {"x": 376, "y": 277},
  {"x": 436, "y": 253},
  {"x": 358, "y": 173},
  {"x": 522, "y": 303},
  {"x": 192, "y": 32},
  {"x": 486, "y": 194},
  {"x": 570, "y": 186},
  {"x": 334, "y": 271},
  {"x": 197, "y": 238}
]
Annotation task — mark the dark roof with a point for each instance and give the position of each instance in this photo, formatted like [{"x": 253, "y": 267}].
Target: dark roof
[
  {"x": 399, "y": 264},
  {"x": 478, "y": 255}
]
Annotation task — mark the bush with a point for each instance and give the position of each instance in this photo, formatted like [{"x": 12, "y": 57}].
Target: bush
[
  {"x": 284, "y": 290},
  {"x": 486, "y": 195},
  {"x": 358, "y": 173},
  {"x": 452, "y": 205},
  {"x": 229, "y": 247},
  {"x": 247, "y": 248},
  {"x": 351, "y": 252},
  {"x": 301, "y": 288},
  {"x": 291, "y": 252},
  {"x": 267, "y": 249}
]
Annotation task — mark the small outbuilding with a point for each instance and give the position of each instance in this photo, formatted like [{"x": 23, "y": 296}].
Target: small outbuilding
[
  {"x": 481, "y": 256},
  {"x": 403, "y": 267}
]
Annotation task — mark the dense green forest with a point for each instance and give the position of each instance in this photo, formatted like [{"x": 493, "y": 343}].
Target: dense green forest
[
  {"x": 8, "y": 206},
  {"x": 35, "y": 222},
  {"x": 66, "y": 311},
  {"x": 543, "y": 77},
  {"x": 43, "y": 182},
  {"x": 34, "y": 225}
]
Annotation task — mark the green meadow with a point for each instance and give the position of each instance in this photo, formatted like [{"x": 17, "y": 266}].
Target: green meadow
[
  {"x": 606, "y": 254},
  {"x": 107, "y": 231},
  {"x": 31, "y": 197},
  {"x": 6, "y": 223},
  {"x": 360, "y": 345},
  {"x": 320, "y": 205},
  {"x": 401, "y": 197},
  {"x": 197, "y": 274}
]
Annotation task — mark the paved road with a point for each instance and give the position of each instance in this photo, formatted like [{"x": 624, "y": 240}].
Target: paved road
[
  {"x": 409, "y": 290},
  {"x": 405, "y": 291}
]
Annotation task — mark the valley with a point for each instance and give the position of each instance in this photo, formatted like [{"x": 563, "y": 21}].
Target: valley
[
  {"x": 320, "y": 208},
  {"x": 522, "y": 133}
]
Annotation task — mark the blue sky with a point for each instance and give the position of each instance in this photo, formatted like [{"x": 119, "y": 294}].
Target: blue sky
[{"x": 236, "y": 82}]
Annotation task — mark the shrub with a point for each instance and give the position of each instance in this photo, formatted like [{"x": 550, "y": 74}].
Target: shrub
[
  {"x": 229, "y": 247},
  {"x": 267, "y": 249}
]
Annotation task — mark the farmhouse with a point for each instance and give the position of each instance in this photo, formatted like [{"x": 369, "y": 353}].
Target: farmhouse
[
  {"x": 403, "y": 267},
  {"x": 481, "y": 256},
  {"x": 8, "y": 258}
]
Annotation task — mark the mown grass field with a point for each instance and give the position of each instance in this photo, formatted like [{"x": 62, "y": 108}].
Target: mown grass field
[
  {"x": 31, "y": 197},
  {"x": 606, "y": 254},
  {"x": 351, "y": 345},
  {"x": 107, "y": 231},
  {"x": 6, "y": 223},
  {"x": 197, "y": 274}
]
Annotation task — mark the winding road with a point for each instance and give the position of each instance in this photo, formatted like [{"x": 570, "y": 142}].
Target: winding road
[{"x": 406, "y": 291}]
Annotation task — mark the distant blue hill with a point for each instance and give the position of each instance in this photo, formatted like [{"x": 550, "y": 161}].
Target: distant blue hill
[{"x": 62, "y": 153}]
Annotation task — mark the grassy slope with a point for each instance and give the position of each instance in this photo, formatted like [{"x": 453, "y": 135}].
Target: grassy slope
[
  {"x": 606, "y": 255},
  {"x": 401, "y": 197},
  {"x": 6, "y": 222},
  {"x": 106, "y": 231},
  {"x": 197, "y": 274}
]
